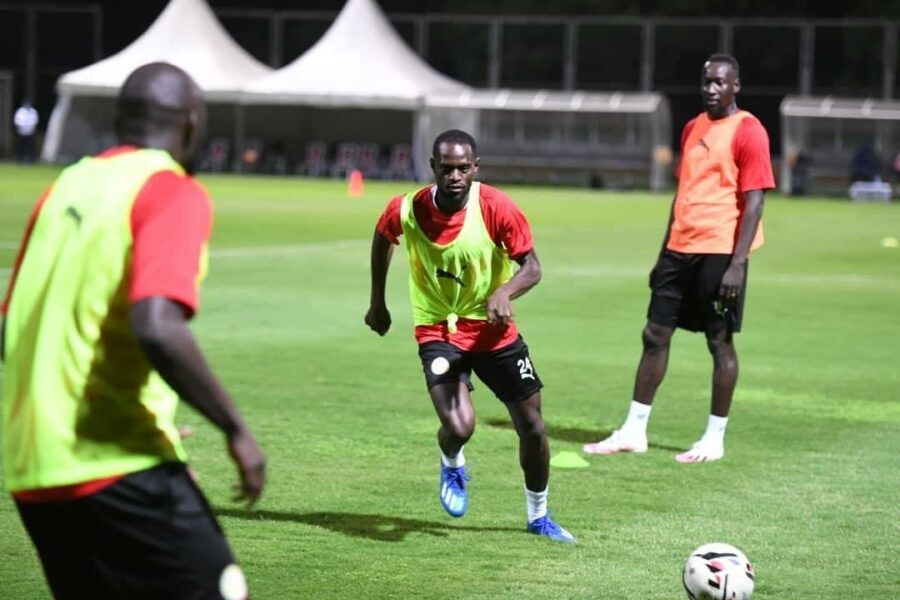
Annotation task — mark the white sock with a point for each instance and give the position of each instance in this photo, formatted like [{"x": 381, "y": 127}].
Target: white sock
[
  {"x": 636, "y": 421},
  {"x": 715, "y": 429},
  {"x": 535, "y": 504},
  {"x": 455, "y": 461}
]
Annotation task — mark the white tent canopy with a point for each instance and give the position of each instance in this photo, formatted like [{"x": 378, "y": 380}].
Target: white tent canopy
[
  {"x": 186, "y": 34},
  {"x": 359, "y": 83},
  {"x": 361, "y": 61}
]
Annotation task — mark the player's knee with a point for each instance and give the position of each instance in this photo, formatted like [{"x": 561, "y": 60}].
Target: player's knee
[
  {"x": 720, "y": 347},
  {"x": 533, "y": 432},
  {"x": 655, "y": 338},
  {"x": 462, "y": 428}
]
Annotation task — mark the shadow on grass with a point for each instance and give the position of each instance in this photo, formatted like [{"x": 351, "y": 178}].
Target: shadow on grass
[
  {"x": 574, "y": 434},
  {"x": 374, "y": 527}
]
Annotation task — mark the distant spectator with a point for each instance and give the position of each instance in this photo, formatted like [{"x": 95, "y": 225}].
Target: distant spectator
[
  {"x": 250, "y": 157},
  {"x": 800, "y": 174},
  {"x": 276, "y": 159},
  {"x": 865, "y": 165},
  {"x": 26, "y": 121}
]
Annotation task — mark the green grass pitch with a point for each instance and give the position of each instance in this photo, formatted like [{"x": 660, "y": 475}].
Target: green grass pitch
[{"x": 809, "y": 487}]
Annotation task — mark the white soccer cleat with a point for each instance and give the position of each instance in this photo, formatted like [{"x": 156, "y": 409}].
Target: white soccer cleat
[
  {"x": 618, "y": 442},
  {"x": 702, "y": 451}
]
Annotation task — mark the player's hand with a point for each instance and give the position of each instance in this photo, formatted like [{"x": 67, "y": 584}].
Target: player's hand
[
  {"x": 499, "y": 309},
  {"x": 378, "y": 319},
  {"x": 251, "y": 466},
  {"x": 732, "y": 282}
]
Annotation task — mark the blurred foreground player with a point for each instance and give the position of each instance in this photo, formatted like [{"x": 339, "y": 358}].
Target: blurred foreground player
[
  {"x": 462, "y": 239},
  {"x": 97, "y": 352},
  {"x": 700, "y": 279}
]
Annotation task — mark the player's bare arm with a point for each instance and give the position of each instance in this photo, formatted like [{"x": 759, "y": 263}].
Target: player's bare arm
[
  {"x": 499, "y": 305},
  {"x": 160, "y": 326},
  {"x": 378, "y": 318},
  {"x": 733, "y": 278}
]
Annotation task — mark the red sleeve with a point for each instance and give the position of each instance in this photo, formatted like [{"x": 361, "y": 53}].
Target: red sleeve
[
  {"x": 684, "y": 136},
  {"x": 389, "y": 222},
  {"x": 170, "y": 224},
  {"x": 28, "y": 229},
  {"x": 751, "y": 154},
  {"x": 506, "y": 223}
]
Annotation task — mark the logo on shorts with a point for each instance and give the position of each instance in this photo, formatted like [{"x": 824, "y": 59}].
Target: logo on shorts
[
  {"x": 232, "y": 585},
  {"x": 526, "y": 371},
  {"x": 440, "y": 365},
  {"x": 449, "y": 275}
]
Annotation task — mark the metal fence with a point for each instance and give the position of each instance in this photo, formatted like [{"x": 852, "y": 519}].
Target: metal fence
[
  {"x": 821, "y": 57},
  {"x": 842, "y": 57}
]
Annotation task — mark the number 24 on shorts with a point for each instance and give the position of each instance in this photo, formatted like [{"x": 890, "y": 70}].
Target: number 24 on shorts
[{"x": 526, "y": 371}]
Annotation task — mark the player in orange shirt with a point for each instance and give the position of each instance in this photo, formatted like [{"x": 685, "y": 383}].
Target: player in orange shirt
[{"x": 699, "y": 281}]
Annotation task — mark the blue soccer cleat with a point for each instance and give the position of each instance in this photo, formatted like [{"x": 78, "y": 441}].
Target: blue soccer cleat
[
  {"x": 547, "y": 527},
  {"x": 452, "y": 493}
]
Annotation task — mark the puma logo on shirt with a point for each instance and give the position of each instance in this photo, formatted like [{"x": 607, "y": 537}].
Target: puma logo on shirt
[{"x": 449, "y": 275}]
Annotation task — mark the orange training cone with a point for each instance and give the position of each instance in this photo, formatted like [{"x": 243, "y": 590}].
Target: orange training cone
[{"x": 355, "y": 187}]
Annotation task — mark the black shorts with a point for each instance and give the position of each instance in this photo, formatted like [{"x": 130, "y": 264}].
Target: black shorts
[
  {"x": 685, "y": 293},
  {"x": 508, "y": 372},
  {"x": 149, "y": 535}
]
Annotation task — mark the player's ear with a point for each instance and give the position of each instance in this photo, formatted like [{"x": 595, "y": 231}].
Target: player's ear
[
  {"x": 431, "y": 162},
  {"x": 737, "y": 84},
  {"x": 475, "y": 164}
]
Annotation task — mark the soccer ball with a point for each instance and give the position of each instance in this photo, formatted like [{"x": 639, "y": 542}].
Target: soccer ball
[{"x": 718, "y": 572}]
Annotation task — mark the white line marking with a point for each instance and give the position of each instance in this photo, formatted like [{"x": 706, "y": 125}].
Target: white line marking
[{"x": 257, "y": 251}]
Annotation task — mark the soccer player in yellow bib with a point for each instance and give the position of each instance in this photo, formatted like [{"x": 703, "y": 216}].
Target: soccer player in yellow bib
[
  {"x": 464, "y": 239},
  {"x": 98, "y": 351}
]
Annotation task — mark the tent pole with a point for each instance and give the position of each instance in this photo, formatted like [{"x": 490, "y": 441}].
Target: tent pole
[
  {"x": 417, "y": 146},
  {"x": 238, "y": 135}
]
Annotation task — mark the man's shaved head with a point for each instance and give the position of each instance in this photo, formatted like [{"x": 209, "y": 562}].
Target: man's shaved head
[{"x": 160, "y": 106}]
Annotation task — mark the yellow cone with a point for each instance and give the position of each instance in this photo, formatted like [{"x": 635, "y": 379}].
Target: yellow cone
[{"x": 568, "y": 460}]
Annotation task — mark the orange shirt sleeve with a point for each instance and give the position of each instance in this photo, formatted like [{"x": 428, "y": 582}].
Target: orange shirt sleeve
[
  {"x": 750, "y": 147},
  {"x": 21, "y": 254},
  {"x": 171, "y": 221},
  {"x": 389, "y": 222}
]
